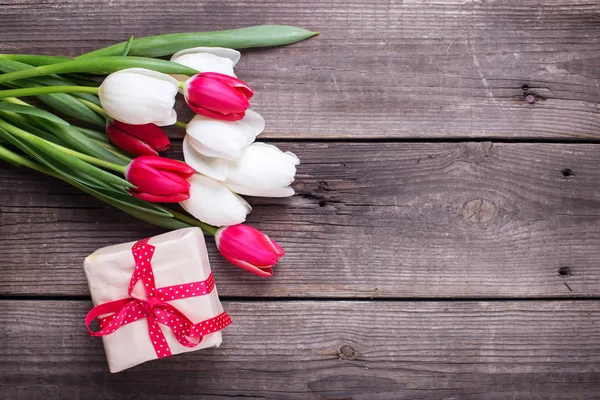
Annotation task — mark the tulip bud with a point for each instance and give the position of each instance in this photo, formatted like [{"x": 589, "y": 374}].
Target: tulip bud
[
  {"x": 139, "y": 140},
  {"x": 248, "y": 248},
  {"x": 217, "y": 96},
  {"x": 159, "y": 179},
  {"x": 139, "y": 96}
]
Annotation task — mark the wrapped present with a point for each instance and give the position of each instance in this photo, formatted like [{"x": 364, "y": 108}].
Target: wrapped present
[{"x": 154, "y": 298}]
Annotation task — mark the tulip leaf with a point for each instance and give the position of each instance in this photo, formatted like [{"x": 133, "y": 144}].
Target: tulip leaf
[
  {"x": 79, "y": 167},
  {"x": 242, "y": 38},
  {"x": 63, "y": 102},
  {"x": 101, "y": 65},
  {"x": 34, "y": 59},
  {"x": 127, "y": 46},
  {"x": 77, "y": 140},
  {"x": 93, "y": 134},
  {"x": 126, "y": 200},
  {"x": 68, "y": 105},
  {"x": 34, "y": 150},
  {"x": 28, "y": 110},
  {"x": 20, "y": 122}
]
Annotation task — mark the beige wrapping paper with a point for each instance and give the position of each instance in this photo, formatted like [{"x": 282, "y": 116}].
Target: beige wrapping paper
[{"x": 180, "y": 257}]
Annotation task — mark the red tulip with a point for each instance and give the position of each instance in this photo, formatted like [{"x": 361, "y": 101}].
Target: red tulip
[
  {"x": 159, "y": 179},
  {"x": 139, "y": 140},
  {"x": 248, "y": 248},
  {"x": 217, "y": 96}
]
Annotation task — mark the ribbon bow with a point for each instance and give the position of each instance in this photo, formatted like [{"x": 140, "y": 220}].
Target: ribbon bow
[{"x": 112, "y": 315}]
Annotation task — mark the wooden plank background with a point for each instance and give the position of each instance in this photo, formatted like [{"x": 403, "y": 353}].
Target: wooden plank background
[
  {"x": 380, "y": 68},
  {"x": 369, "y": 220},
  {"x": 444, "y": 240},
  {"x": 333, "y": 350}
]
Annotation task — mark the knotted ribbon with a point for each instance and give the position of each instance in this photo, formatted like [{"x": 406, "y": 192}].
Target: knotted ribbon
[{"x": 112, "y": 315}]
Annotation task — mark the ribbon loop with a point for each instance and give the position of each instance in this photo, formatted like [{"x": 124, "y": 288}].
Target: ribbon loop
[{"x": 112, "y": 315}]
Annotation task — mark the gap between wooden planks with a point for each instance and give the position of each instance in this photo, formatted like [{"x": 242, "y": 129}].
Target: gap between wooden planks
[
  {"x": 370, "y": 220},
  {"x": 315, "y": 350},
  {"x": 491, "y": 69}
]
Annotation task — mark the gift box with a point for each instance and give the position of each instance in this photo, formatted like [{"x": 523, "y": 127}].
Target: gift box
[{"x": 154, "y": 298}]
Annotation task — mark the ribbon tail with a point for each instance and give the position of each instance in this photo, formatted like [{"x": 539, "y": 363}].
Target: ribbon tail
[
  {"x": 157, "y": 337},
  {"x": 108, "y": 325}
]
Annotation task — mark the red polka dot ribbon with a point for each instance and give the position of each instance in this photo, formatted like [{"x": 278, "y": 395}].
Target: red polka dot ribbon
[{"x": 112, "y": 315}]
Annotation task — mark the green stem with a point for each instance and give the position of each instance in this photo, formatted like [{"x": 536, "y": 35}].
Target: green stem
[
  {"x": 181, "y": 124},
  {"x": 94, "y": 107},
  {"x": 211, "y": 230},
  {"x": 36, "y": 91},
  {"x": 92, "y": 160}
]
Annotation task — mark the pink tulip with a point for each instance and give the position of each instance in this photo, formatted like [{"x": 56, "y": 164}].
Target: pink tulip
[
  {"x": 248, "y": 248},
  {"x": 217, "y": 96},
  {"x": 147, "y": 139},
  {"x": 159, "y": 179}
]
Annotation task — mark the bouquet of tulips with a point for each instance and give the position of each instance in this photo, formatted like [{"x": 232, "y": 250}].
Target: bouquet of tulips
[{"x": 110, "y": 145}]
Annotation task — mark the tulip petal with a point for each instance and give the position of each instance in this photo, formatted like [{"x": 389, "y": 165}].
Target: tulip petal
[
  {"x": 204, "y": 92},
  {"x": 224, "y": 52},
  {"x": 166, "y": 164},
  {"x": 128, "y": 143},
  {"x": 232, "y": 82},
  {"x": 225, "y": 139},
  {"x": 152, "y": 198},
  {"x": 285, "y": 191},
  {"x": 262, "y": 167},
  {"x": 211, "y": 202},
  {"x": 216, "y": 115},
  {"x": 266, "y": 272},
  {"x": 170, "y": 120},
  {"x": 151, "y": 180},
  {"x": 213, "y": 167},
  {"x": 204, "y": 62},
  {"x": 150, "y": 134}
]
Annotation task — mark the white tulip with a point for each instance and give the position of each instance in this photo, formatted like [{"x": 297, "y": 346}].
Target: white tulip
[
  {"x": 216, "y": 138},
  {"x": 207, "y": 59},
  {"x": 210, "y": 143},
  {"x": 263, "y": 170},
  {"x": 211, "y": 202},
  {"x": 139, "y": 96}
]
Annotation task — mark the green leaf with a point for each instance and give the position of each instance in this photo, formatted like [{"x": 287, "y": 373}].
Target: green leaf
[
  {"x": 126, "y": 200},
  {"x": 68, "y": 105},
  {"x": 80, "y": 167},
  {"x": 102, "y": 65},
  {"x": 34, "y": 59},
  {"x": 35, "y": 151},
  {"x": 77, "y": 140},
  {"x": 243, "y": 38},
  {"x": 19, "y": 109},
  {"x": 63, "y": 102},
  {"x": 19, "y": 121},
  {"x": 127, "y": 46},
  {"x": 93, "y": 134}
]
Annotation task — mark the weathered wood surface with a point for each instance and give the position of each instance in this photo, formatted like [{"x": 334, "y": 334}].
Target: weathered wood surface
[
  {"x": 380, "y": 68},
  {"x": 322, "y": 350},
  {"x": 369, "y": 220}
]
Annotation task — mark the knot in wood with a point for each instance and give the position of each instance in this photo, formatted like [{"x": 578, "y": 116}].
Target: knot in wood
[
  {"x": 346, "y": 352},
  {"x": 479, "y": 211}
]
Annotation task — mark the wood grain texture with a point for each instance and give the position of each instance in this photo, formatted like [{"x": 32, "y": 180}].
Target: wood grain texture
[
  {"x": 369, "y": 220},
  {"x": 322, "y": 350},
  {"x": 379, "y": 68}
]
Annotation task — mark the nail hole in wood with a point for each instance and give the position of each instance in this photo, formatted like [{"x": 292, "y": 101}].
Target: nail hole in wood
[
  {"x": 564, "y": 271},
  {"x": 567, "y": 172}
]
